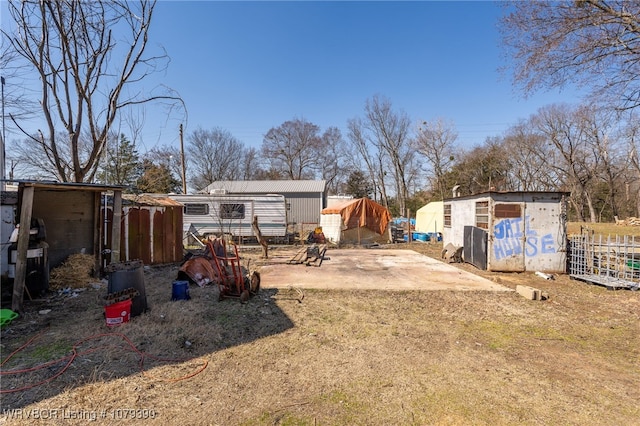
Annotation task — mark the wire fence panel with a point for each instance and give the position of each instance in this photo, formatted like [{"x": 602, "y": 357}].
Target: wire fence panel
[{"x": 612, "y": 262}]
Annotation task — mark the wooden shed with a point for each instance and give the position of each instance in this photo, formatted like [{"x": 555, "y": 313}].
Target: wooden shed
[
  {"x": 151, "y": 229},
  {"x": 509, "y": 231},
  {"x": 70, "y": 221}
]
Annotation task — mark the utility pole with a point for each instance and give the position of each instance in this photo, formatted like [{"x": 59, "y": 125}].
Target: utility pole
[
  {"x": 4, "y": 137},
  {"x": 184, "y": 167}
]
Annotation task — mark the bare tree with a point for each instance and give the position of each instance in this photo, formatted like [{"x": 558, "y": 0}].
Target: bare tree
[
  {"x": 601, "y": 136},
  {"x": 16, "y": 106},
  {"x": 436, "y": 141},
  {"x": 632, "y": 134},
  {"x": 531, "y": 155},
  {"x": 576, "y": 162},
  {"x": 295, "y": 148},
  {"x": 89, "y": 56},
  {"x": 389, "y": 132},
  {"x": 214, "y": 155},
  {"x": 331, "y": 160},
  {"x": 250, "y": 164},
  {"x": 383, "y": 140},
  {"x": 483, "y": 168},
  {"x": 372, "y": 160},
  {"x": 593, "y": 43}
]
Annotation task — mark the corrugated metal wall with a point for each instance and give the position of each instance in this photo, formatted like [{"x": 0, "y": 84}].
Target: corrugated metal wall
[{"x": 304, "y": 208}]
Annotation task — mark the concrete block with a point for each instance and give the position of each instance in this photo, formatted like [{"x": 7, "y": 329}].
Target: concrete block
[{"x": 528, "y": 292}]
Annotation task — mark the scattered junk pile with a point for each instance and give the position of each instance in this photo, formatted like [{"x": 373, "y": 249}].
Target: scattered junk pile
[
  {"x": 312, "y": 255},
  {"x": 219, "y": 264},
  {"x": 630, "y": 221},
  {"x": 316, "y": 236},
  {"x": 452, "y": 254},
  {"x": 37, "y": 267}
]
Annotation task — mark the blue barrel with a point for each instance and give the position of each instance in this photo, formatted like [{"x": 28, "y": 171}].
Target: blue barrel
[
  {"x": 420, "y": 236},
  {"x": 180, "y": 290}
]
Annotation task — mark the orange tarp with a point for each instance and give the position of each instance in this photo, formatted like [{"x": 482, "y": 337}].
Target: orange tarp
[{"x": 361, "y": 212}]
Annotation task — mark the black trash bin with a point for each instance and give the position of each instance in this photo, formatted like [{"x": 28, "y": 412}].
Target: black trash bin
[{"x": 125, "y": 275}]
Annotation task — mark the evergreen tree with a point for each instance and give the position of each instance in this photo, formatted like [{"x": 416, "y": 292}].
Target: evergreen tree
[
  {"x": 157, "y": 179},
  {"x": 122, "y": 164},
  {"x": 358, "y": 185}
]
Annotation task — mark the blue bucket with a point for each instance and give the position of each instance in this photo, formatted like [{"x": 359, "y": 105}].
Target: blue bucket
[{"x": 180, "y": 290}]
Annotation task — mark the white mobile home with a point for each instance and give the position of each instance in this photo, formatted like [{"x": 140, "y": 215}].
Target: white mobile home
[
  {"x": 205, "y": 215},
  {"x": 304, "y": 198},
  {"x": 509, "y": 231}
]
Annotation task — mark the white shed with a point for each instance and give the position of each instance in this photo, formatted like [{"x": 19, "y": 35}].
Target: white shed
[{"x": 509, "y": 231}]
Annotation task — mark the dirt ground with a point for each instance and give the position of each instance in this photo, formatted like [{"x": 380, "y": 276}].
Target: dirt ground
[{"x": 335, "y": 356}]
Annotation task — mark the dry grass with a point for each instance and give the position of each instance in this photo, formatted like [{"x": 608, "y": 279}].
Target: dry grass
[
  {"x": 75, "y": 272},
  {"x": 359, "y": 358},
  {"x": 605, "y": 229}
]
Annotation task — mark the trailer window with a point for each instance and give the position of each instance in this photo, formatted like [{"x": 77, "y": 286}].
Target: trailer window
[
  {"x": 231, "y": 211},
  {"x": 196, "y": 209}
]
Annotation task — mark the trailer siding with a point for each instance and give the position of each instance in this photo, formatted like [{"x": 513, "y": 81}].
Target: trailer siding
[{"x": 270, "y": 209}]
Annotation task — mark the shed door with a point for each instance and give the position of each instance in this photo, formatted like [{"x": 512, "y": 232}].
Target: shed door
[
  {"x": 507, "y": 237},
  {"x": 475, "y": 247}
]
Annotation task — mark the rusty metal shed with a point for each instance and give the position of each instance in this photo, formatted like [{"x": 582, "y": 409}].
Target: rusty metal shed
[{"x": 509, "y": 231}]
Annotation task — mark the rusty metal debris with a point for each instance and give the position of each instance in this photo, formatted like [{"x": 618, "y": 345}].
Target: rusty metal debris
[{"x": 311, "y": 256}]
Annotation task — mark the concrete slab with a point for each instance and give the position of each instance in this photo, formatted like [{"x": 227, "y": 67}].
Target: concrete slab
[{"x": 375, "y": 269}]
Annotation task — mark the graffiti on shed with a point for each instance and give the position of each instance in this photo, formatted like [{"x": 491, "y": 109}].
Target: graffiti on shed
[{"x": 510, "y": 233}]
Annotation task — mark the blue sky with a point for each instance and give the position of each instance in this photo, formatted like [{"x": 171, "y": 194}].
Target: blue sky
[{"x": 249, "y": 66}]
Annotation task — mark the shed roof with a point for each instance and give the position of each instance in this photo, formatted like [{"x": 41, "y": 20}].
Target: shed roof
[
  {"x": 267, "y": 186},
  {"x": 509, "y": 193},
  {"x": 63, "y": 186},
  {"x": 151, "y": 200}
]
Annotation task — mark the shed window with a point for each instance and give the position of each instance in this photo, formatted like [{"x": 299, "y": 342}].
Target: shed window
[
  {"x": 482, "y": 214},
  {"x": 447, "y": 215},
  {"x": 231, "y": 211},
  {"x": 196, "y": 209}
]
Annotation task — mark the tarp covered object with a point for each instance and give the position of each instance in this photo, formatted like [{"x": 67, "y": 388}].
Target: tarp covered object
[
  {"x": 361, "y": 212},
  {"x": 430, "y": 218}
]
